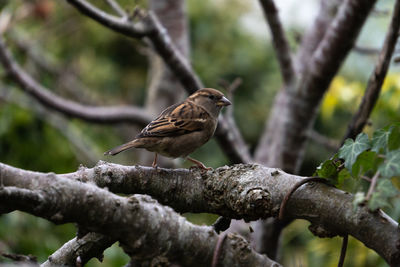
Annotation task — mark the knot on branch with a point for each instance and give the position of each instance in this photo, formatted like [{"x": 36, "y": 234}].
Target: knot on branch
[
  {"x": 256, "y": 202},
  {"x": 320, "y": 231},
  {"x": 240, "y": 246},
  {"x": 237, "y": 191},
  {"x": 104, "y": 174}
]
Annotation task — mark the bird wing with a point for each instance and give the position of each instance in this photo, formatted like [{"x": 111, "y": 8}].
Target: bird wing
[{"x": 179, "y": 119}]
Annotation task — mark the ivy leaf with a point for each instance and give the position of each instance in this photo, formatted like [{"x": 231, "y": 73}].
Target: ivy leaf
[
  {"x": 380, "y": 140},
  {"x": 366, "y": 161},
  {"x": 329, "y": 170},
  {"x": 380, "y": 198},
  {"x": 394, "y": 137},
  {"x": 391, "y": 166},
  {"x": 351, "y": 149}
]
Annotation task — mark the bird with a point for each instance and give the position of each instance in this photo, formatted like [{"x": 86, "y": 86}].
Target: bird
[{"x": 181, "y": 128}]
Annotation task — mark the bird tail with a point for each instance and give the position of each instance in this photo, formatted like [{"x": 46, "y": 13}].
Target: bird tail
[{"x": 121, "y": 148}]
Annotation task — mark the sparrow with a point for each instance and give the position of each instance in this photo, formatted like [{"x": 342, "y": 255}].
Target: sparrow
[{"x": 181, "y": 128}]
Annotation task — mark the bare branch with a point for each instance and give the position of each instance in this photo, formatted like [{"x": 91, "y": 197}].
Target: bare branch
[
  {"x": 314, "y": 35},
  {"x": 145, "y": 228},
  {"x": 365, "y": 50},
  {"x": 327, "y": 142},
  {"x": 294, "y": 112},
  {"x": 377, "y": 77},
  {"x": 89, "y": 246},
  {"x": 280, "y": 42},
  {"x": 68, "y": 107},
  {"x": 149, "y": 27},
  {"x": 117, "y": 8},
  {"x": 371, "y": 188},
  {"x": 240, "y": 191},
  {"x": 20, "y": 258},
  {"x": 118, "y": 24}
]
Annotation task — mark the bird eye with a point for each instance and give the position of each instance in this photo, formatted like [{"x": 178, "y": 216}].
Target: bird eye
[{"x": 212, "y": 97}]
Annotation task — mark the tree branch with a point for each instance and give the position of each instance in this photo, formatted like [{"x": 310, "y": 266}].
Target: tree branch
[
  {"x": 294, "y": 112},
  {"x": 117, "y": 8},
  {"x": 241, "y": 191},
  {"x": 280, "y": 42},
  {"x": 149, "y": 27},
  {"x": 68, "y": 107},
  {"x": 312, "y": 38},
  {"x": 144, "y": 228},
  {"x": 89, "y": 246},
  {"x": 377, "y": 77}
]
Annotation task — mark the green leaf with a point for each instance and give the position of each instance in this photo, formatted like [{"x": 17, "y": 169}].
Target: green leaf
[
  {"x": 394, "y": 137},
  {"x": 386, "y": 139},
  {"x": 391, "y": 166},
  {"x": 380, "y": 140},
  {"x": 380, "y": 198},
  {"x": 343, "y": 175},
  {"x": 366, "y": 161},
  {"x": 351, "y": 149}
]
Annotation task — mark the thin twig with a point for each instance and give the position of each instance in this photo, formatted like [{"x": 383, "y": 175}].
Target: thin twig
[
  {"x": 372, "y": 186},
  {"x": 377, "y": 77},
  {"x": 366, "y": 50},
  {"x": 329, "y": 143},
  {"x": 19, "y": 257},
  {"x": 280, "y": 41},
  {"x": 343, "y": 250},
  {"x": 366, "y": 178},
  {"x": 117, "y": 8}
]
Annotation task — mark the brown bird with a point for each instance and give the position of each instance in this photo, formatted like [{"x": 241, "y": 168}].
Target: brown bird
[{"x": 181, "y": 128}]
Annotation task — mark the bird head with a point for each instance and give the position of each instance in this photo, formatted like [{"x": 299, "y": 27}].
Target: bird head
[{"x": 210, "y": 99}]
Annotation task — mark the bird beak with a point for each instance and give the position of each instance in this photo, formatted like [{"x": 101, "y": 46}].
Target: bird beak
[{"x": 224, "y": 102}]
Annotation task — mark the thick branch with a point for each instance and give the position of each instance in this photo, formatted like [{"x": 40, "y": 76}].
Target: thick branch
[
  {"x": 314, "y": 35},
  {"x": 377, "y": 77},
  {"x": 280, "y": 41},
  {"x": 68, "y": 107},
  {"x": 241, "y": 191},
  {"x": 144, "y": 228},
  {"x": 294, "y": 112}
]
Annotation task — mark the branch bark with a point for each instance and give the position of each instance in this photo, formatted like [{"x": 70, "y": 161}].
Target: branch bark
[
  {"x": 280, "y": 42},
  {"x": 377, "y": 77},
  {"x": 89, "y": 246},
  {"x": 145, "y": 228},
  {"x": 283, "y": 142},
  {"x": 241, "y": 191}
]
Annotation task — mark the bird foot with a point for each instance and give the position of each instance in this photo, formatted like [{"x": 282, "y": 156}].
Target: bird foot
[{"x": 199, "y": 165}]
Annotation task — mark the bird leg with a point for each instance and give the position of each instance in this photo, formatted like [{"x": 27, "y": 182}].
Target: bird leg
[
  {"x": 154, "y": 165},
  {"x": 199, "y": 165}
]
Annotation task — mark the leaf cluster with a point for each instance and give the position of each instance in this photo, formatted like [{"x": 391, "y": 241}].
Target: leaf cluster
[{"x": 376, "y": 158}]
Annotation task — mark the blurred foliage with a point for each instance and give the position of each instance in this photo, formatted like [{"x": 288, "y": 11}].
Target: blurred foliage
[{"x": 110, "y": 69}]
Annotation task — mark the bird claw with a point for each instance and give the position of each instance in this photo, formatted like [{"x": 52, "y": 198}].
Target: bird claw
[{"x": 203, "y": 169}]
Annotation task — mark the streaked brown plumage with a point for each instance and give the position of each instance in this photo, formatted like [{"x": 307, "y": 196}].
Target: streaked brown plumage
[{"x": 181, "y": 128}]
